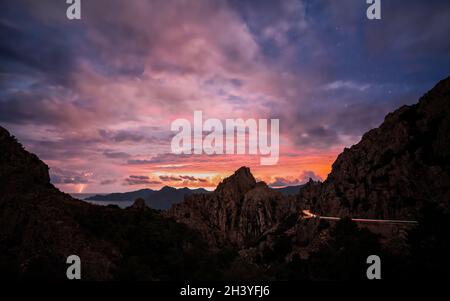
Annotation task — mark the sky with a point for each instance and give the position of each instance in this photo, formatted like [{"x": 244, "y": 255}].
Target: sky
[{"x": 95, "y": 98}]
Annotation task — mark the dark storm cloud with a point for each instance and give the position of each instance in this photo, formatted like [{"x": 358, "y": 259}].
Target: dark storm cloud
[
  {"x": 28, "y": 45},
  {"x": 108, "y": 182},
  {"x": 40, "y": 40},
  {"x": 68, "y": 147},
  {"x": 139, "y": 162},
  {"x": 319, "y": 136},
  {"x": 139, "y": 177},
  {"x": 115, "y": 155},
  {"x": 163, "y": 158},
  {"x": 419, "y": 26},
  {"x": 39, "y": 107},
  {"x": 61, "y": 176},
  {"x": 190, "y": 178},
  {"x": 169, "y": 179},
  {"x": 139, "y": 180},
  {"x": 120, "y": 136},
  {"x": 125, "y": 136},
  {"x": 344, "y": 109},
  {"x": 181, "y": 178},
  {"x": 366, "y": 68},
  {"x": 357, "y": 118},
  {"x": 170, "y": 158},
  {"x": 393, "y": 49}
]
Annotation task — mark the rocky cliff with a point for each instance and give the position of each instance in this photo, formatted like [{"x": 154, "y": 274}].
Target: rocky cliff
[
  {"x": 237, "y": 213},
  {"x": 37, "y": 230},
  {"x": 396, "y": 168}
]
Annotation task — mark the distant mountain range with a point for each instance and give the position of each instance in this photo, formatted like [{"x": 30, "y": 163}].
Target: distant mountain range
[
  {"x": 157, "y": 199},
  {"x": 167, "y": 196}
]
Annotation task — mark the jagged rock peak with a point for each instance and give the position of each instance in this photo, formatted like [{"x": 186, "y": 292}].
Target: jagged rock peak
[
  {"x": 237, "y": 184},
  {"x": 237, "y": 213}
]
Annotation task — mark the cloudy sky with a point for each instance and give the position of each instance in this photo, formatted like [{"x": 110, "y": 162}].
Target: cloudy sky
[{"x": 95, "y": 98}]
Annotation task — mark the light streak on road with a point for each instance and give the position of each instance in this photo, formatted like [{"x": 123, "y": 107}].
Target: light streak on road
[{"x": 306, "y": 214}]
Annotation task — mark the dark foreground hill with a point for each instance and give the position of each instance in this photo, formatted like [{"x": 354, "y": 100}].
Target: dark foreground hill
[{"x": 41, "y": 226}]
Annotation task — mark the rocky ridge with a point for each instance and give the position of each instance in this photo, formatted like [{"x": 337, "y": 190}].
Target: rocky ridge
[
  {"x": 396, "y": 169},
  {"x": 237, "y": 213}
]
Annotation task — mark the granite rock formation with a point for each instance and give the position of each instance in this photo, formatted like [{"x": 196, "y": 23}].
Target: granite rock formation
[
  {"x": 237, "y": 213},
  {"x": 396, "y": 169}
]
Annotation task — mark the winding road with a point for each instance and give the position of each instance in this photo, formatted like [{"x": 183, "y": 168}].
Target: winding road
[{"x": 307, "y": 214}]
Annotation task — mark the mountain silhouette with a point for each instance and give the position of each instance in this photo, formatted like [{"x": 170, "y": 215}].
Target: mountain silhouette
[
  {"x": 167, "y": 196},
  {"x": 396, "y": 169},
  {"x": 157, "y": 199}
]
